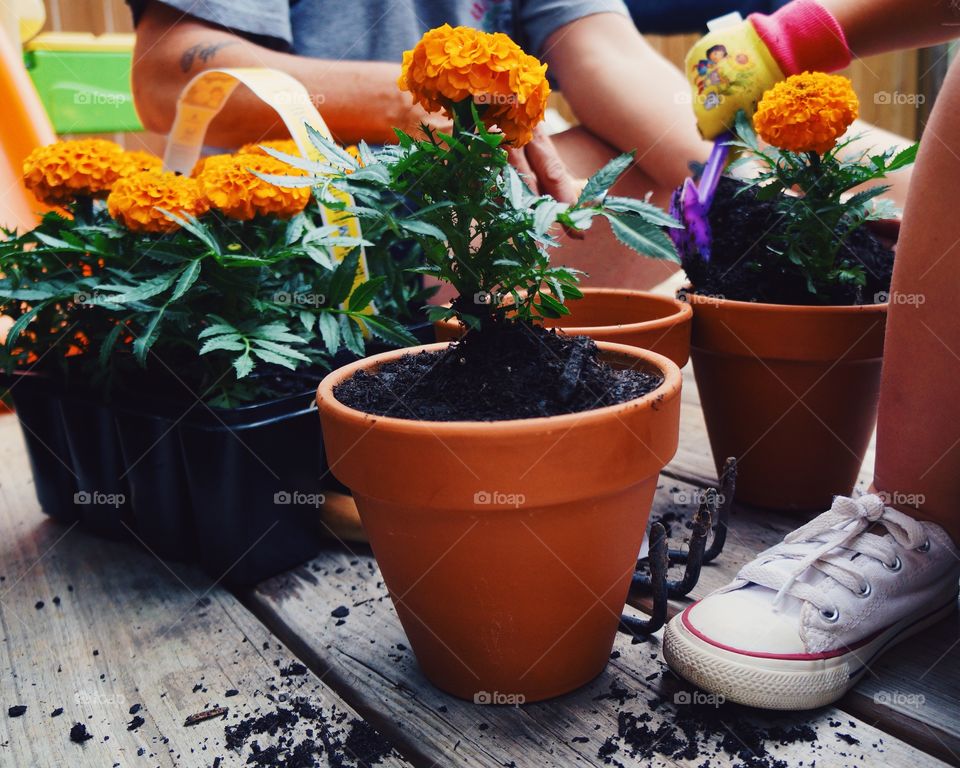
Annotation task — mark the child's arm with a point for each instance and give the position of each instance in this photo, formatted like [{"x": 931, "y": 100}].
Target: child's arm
[{"x": 878, "y": 26}]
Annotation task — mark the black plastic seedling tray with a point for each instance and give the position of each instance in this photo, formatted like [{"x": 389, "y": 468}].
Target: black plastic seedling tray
[{"x": 235, "y": 490}]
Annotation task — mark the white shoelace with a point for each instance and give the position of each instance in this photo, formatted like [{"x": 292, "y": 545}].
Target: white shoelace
[{"x": 839, "y": 532}]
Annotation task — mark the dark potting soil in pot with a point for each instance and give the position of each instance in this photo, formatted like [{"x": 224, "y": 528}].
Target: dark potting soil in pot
[
  {"x": 741, "y": 268},
  {"x": 511, "y": 371}
]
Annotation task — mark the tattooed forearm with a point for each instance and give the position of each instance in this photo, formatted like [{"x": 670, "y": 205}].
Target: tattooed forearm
[{"x": 202, "y": 51}]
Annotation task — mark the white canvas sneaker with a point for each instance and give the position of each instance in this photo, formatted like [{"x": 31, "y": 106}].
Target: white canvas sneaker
[{"x": 801, "y": 623}]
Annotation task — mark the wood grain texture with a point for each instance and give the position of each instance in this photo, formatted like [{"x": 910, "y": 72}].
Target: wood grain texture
[
  {"x": 630, "y": 715},
  {"x": 94, "y": 628}
]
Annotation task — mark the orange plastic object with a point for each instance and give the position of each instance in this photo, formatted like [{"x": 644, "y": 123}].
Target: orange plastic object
[{"x": 24, "y": 127}]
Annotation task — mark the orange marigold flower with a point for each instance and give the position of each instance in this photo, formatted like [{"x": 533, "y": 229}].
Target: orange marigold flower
[
  {"x": 289, "y": 146},
  {"x": 136, "y": 160},
  {"x": 807, "y": 113},
  {"x": 59, "y": 173},
  {"x": 136, "y": 200},
  {"x": 231, "y": 188},
  {"x": 452, "y": 64},
  {"x": 202, "y": 163}
]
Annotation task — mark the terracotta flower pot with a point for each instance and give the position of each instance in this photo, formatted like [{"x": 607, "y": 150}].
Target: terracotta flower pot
[
  {"x": 791, "y": 391},
  {"x": 640, "y": 319},
  {"x": 507, "y": 547}
]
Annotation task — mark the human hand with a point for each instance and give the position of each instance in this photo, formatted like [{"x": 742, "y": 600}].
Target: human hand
[
  {"x": 417, "y": 117},
  {"x": 543, "y": 169}
]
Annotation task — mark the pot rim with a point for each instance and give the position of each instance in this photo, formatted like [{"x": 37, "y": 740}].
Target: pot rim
[
  {"x": 797, "y": 309},
  {"x": 326, "y": 401},
  {"x": 681, "y": 311}
]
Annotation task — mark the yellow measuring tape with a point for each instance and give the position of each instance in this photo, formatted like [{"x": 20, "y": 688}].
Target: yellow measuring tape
[{"x": 203, "y": 98}]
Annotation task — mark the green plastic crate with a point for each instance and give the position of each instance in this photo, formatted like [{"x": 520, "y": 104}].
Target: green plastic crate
[{"x": 84, "y": 81}]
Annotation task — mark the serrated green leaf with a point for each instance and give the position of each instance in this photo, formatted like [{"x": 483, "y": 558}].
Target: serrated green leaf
[
  {"x": 284, "y": 181},
  {"x": 646, "y": 210},
  {"x": 26, "y": 294},
  {"x": 143, "y": 344},
  {"x": 125, "y": 294},
  {"x": 514, "y": 188},
  {"x": 364, "y": 293},
  {"x": 187, "y": 278},
  {"x": 22, "y": 322},
  {"x": 550, "y": 307},
  {"x": 277, "y": 332},
  {"x": 903, "y": 158},
  {"x": 231, "y": 343},
  {"x": 598, "y": 184},
  {"x": 390, "y": 330},
  {"x": 294, "y": 161},
  {"x": 195, "y": 227},
  {"x": 419, "y": 227},
  {"x": 865, "y": 196},
  {"x": 55, "y": 242},
  {"x": 320, "y": 256},
  {"x": 351, "y": 335},
  {"x": 545, "y": 215},
  {"x": 435, "y": 313},
  {"x": 109, "y": 342},
  {"x": 307, "y": 320},
  {"x": 243, "y": 365},
  {"x": 272, "y": 357},
  {"x": 216, "y": 330},
  {"x": 281, "y": 349},
  {"x": 330, "y": 149},
  {"x": 295, "y": 228},
  {"x": 341, "y": 282},
  {"x": 329, "y": 332},
  {"x": 644, "y": 238}
]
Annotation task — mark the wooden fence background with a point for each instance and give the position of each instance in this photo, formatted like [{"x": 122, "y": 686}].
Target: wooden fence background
[{"x": 884, "y": 83}]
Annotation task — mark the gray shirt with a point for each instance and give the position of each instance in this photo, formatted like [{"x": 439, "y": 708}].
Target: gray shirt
[{"x": 381, "y": 30}]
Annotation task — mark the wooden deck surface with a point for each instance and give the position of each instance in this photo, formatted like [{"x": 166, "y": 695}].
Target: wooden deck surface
[{"x": 130, "y": 647}]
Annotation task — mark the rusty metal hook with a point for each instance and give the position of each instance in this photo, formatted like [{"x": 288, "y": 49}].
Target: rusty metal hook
[
  {"x": 659, "y": 560},
  {"x": 720, "y": 513},
  {"x": 714, "y": 506}
]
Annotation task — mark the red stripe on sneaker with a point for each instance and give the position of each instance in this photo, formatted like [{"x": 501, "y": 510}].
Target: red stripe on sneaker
[{"x": 785, "y": 656}]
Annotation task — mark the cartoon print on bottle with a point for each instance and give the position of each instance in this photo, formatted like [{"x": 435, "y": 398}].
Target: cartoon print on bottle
[{"x": 719, "y": 73}]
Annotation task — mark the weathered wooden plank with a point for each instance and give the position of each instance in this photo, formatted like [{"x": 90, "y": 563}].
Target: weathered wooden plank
[
  {"x": 103, "y": 634},
  {"x": 632, "y": 714}
]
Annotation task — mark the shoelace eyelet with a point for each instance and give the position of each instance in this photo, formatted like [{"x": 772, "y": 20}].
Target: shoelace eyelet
[
  {"x": 925, "y": 547},
  {"x": 830, "y": 616},
  {"x": 896, "y": 566},
  {"x": 867, "y": 589}
]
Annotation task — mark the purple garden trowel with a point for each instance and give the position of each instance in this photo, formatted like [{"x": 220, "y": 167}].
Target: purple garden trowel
[{"x": 691, "y": 203}]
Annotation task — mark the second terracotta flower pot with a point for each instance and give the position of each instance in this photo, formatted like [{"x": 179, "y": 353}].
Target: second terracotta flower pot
[
  {"x": 638, "y": 318},
  {"x": 507, "y": 547},
  {"x": 791, "y": 391}
]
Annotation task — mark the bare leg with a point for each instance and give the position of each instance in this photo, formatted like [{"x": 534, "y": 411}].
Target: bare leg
[{"x": 918, "y": 444}]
